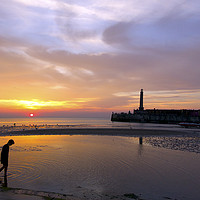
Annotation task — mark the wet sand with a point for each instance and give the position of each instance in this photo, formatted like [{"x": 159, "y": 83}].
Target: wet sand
[
  {"x": 103, "y": 131},
  {"x": 25, "y": 194},
  {"x": 83, "y": 193}
]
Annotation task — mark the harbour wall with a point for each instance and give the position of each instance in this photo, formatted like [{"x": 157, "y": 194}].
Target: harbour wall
[{"x": 158, "y": 116}]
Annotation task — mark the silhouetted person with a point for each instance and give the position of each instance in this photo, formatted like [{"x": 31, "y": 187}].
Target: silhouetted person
[{"x": 4, "y": 156}]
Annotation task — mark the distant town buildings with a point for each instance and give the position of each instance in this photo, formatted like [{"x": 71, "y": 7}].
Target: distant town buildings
[{"x": 157, "y": 115}]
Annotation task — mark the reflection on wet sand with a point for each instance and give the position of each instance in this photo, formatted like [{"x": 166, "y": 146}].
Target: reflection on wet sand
[{"x": 102, "y": 164}]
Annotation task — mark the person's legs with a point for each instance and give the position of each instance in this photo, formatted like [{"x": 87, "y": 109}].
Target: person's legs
[
  {"x": 5, "y": 184},
  {"x": 5, "y": 171},
  {"x": 5, "y": 167},
  {"x": 2, "y": 168}
]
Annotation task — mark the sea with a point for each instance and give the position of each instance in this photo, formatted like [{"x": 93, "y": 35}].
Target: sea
[
  {"x": 104, "y": 167},
  {"x": 54, "y": 121}
]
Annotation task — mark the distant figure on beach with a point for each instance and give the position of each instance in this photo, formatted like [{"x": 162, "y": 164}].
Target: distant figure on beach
[{"x": 4, "y": 156}]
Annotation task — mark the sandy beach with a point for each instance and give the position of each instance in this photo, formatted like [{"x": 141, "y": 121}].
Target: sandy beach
[
  {"x": 84, "y": 193},
  {"x": 101, "y": 131}
]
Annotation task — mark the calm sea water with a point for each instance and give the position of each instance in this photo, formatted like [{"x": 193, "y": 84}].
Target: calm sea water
[
  {"x": 104, "y": 165},
  {"x": 55, "y": 121}
]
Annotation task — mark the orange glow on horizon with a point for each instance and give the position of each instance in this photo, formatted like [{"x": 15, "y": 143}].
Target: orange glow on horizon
[
  {"x": 120, "y": 102},
  {"x": 36, "y": 104}
]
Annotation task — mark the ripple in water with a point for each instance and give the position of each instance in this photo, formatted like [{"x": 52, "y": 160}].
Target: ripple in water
[
  {"x": 24, "y": 173},
  {"x": 105, "y": 164},
  {"x": 26, "y": 148}
]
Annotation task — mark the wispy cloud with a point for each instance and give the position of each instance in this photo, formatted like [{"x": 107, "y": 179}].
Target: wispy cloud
[{"x": 57, "y": 87}]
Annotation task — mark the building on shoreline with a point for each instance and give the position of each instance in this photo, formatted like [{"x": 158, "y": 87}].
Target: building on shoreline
[{"x": 164, "y": 116}]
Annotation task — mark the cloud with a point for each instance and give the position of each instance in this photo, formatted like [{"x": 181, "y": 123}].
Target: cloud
[
  {"x": 168, "y": 33},
  {"x": 102, "y": 50},
  {"x": 119, "y": 69},
  {"x": 48, "y": 4},
  {"x": 58, "y": 87},
  {"x": 63, "y": 70}
]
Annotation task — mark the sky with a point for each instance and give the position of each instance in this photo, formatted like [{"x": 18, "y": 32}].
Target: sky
[{"x": 64, "y": 58}]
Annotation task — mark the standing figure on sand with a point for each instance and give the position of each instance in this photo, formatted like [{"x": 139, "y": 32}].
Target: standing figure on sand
[{"x": 4, "y": 156}]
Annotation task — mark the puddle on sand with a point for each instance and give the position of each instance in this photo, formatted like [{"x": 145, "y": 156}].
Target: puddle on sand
[{"x": 104, "y": 164}]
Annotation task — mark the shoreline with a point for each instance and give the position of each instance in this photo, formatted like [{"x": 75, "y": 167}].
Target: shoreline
[
  {"x": 103, "y": 131},
  {"x": 81, "y": 194}
]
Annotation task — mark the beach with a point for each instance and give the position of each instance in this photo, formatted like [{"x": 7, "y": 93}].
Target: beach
[
  {"x": 105, "y": 140},
  {"x": 100, "y": 131}
]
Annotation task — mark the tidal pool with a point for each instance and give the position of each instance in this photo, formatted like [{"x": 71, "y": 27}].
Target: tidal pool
[{"x": 102, "y": 164}]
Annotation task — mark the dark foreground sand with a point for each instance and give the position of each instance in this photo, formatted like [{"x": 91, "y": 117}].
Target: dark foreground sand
[
  {"x": 82, "y": 194},
  {"x": 102, "y": 131}
]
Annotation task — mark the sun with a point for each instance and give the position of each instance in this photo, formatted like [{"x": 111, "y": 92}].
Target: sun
[{"x": 31, "y": 115}]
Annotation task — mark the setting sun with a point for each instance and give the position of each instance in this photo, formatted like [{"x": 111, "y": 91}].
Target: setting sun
[{"x": 31, "y": 115}]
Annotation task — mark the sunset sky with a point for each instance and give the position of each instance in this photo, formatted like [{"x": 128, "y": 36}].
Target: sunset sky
[{"x": 65, "y": 58}]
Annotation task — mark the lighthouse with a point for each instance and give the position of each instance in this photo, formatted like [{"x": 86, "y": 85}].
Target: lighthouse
[{"x": 141, "y": 100}]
